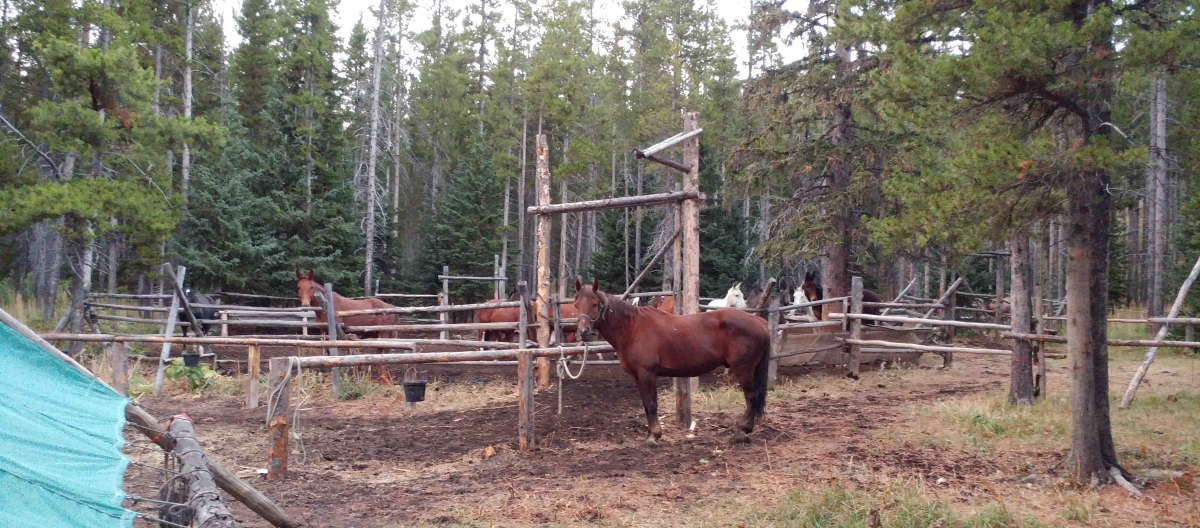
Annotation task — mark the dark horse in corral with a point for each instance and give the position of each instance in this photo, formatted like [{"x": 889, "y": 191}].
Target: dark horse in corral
[
  {"x": 815, "y": 292},
  {"x": 650, "y": 343},
  {"x": 200, "y": 313},
  {"x": 307, "y": 288},
  {"x": 499, "y": 315}
]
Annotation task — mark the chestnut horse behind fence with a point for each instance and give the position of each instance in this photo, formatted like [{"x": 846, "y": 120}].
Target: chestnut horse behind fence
[
  {"x": 650, "y": 343},
  {"x": 307, "y": 289},
  {"x": 510, "y": 314}
]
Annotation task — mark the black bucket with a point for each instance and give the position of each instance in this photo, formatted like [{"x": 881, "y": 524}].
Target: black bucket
[
  {"x": 191, "y": 360},
  {"x": 414, "y": 391}
]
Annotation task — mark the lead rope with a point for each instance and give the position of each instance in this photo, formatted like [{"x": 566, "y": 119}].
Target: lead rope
[{"x": 562, "y": 368}]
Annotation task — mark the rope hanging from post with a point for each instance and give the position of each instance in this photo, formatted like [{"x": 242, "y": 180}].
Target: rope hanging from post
[{"x": 563, "y": 369}]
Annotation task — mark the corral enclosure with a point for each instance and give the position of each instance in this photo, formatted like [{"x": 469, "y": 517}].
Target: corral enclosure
[{"x": 910, "y": 439}]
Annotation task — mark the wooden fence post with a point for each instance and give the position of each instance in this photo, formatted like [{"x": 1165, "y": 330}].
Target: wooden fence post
[
  {"x": 773, "y": 316},
  {"x": 444, "y": 300},
  {"x": 278, "y": 410},
  {"x": 332, "y": 328},
  {"x": 690, "y": 223},
  {"x": 409, "y": 375},
  {"x": 998, "y": 314},
  {"x": 1039, "y": 316},
  {"x": 856, "y": 289},
  {"x": 948, "y": 314},
  {"x": 303, "y": 329},
  {"x": 1189, "y": 334},
  {"x": 525, "y": 402},
  {"x": 543, "y": 262},
  {"x": 557, "y": 313},
  {"x": 225, "y": 327},
  {"x": 523, "y": 319},
  {"x": 252, "y": 373},
  {"x": 168, "y": 331},
  {"x": 120, "y": 368}
]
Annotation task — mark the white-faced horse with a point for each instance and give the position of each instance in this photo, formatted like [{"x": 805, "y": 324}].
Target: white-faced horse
[
  {"x": 800, "y": 298},
  {"x": 734, "y": 298}
]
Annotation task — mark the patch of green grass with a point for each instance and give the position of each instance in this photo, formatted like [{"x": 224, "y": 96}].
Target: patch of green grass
[{"x": 896, "y": 507}]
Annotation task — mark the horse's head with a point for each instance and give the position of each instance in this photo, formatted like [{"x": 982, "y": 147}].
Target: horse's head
[
  {"x": 799, "y": 296},
  {"x": 656, "y": 301},
  {"x": 590, "y": 304},
  {"x": 812, "y": 290},
  {"x": 305, "y": 287},
  {"x": 734, "y": 297}
]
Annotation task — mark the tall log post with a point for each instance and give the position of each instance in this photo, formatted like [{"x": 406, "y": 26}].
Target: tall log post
[
  {"x": 119, "y": 357},
  {"x": 168, "y": 331},
  {"x": 541, "y": 300},
  {"x": 856, "y": 289},
  {"x": 1021, "y": 386},
  {"x": 691, "y": 254},
  {"x": 332, "y": 328},
  {"x": 278, "y": 409},
  {"x": 253, "y": 362}
]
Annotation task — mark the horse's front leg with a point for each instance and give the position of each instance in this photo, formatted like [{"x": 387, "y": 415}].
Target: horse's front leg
[{"x": 648, "y": 389}]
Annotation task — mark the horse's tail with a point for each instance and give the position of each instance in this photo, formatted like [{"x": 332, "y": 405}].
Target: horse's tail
[{"x": 758, "y": 398}]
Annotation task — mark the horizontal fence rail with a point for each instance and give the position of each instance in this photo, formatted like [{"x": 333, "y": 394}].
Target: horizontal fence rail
[
  {"x": 441, "y": 357},
  {"x": 430, "y": 309}
]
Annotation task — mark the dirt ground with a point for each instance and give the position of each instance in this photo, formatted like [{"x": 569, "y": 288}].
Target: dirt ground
[{"x": 370, "y": 463}]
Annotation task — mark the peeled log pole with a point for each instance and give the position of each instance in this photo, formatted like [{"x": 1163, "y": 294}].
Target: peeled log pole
[
  {"x": 203, "y": 498},
  {"x": 690, "y": 224},
  {"x": 542, "y": 296},
  {"x": 1162, "y": 333},
  {"x": 613, "y": 203},
  {"x": 650, "y": 265},
  {"x": 149, "y": 426}
]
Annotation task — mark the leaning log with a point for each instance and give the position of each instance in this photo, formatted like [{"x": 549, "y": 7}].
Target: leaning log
[{"x": 207, "y": 508}]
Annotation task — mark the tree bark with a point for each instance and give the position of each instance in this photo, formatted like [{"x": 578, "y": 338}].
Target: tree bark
[
  {"x": 1092, "y": 448},
  {"x": 1158, "y": 165},
  {"x": 836, "y": 261},
  {"x": 185, "y": 165},
  {"x": 563, "y": 223},
  {"x": 522, "y": 235},
  {"x": 372, "y": 155},
  {"x": 1021, "y": 387},
  {"x": 114, "y": 246}
]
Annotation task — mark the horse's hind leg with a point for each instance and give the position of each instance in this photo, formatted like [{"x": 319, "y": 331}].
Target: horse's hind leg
[
  {"x": 755, "y": 392},
  {"x": 648, "y": 389}
]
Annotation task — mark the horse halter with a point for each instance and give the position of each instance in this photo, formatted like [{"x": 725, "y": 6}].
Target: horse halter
[{"x": 599, "y": 315}]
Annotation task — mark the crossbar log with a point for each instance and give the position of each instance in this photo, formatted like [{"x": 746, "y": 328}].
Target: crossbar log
[
  {"x": 615, "y": 203},
  {"x": 430, "y": 309}
]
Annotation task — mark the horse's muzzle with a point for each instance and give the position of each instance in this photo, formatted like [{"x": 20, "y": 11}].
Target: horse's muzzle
[{"x": 585, "y": 334}]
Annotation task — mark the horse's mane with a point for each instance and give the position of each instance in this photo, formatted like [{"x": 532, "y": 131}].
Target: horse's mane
[{"x": 620, "y": 311}]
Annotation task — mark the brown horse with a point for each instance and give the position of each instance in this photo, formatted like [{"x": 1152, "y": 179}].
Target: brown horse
[
  {"x": 665, "y": 304},
  {"x": 815, "y": 292},
  {"x": 499, "y": 315},
  {"x": 650, "y": 343},
  {"x": 307, "y": 288}
]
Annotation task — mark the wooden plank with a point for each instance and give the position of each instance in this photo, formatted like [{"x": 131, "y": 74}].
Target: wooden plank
[
  {"x": 918, "y": 320},
  {"x": 928, "y": 348},
  {"x": 254, "y": 363},
  {"x": 119, "y": 357},
  {"x": 172, "y": 316},
  {"x": 433, "y": 327},
  {"x": 207, "y": 508},
  {"x": 417, "y": 358},
  {"x": 669, "y": 142},
  {"x": 541, "y": 299},
  {"x": 278, "y": 413},
  {"x": 331, "y": 317},
  {"x": 690, "y": 224},
  {"x": 127, "y": 319},
  {"x": 895, "y": 305},
  {"x": 856, "y": 289},
  {"x": 814, "y": 324},
  {"x": 98, "y": 295},
  {"x": 525, "y": 401},
  {"x": 468, "y": 278},
  {"x": 619, "y": 202},
  {"x": 429, "y": 309},
  {"x": 131, "y": 308}
]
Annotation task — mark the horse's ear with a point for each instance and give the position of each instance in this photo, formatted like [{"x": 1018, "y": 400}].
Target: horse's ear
[
  {"x": 298, "y": 275},
  {"x": 578, "y": 283},
  {"x": 595, "y": 284},
  {"x": 310, "y": 274}
]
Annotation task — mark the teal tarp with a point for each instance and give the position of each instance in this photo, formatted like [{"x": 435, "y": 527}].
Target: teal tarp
[{"x": 60, "y": 442}]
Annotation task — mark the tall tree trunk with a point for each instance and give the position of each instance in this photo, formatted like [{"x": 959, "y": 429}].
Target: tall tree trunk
[
  {"x": 1158, "y": 166},
  {"x": 1021, "y": 387},
  {"x": 1092, "y": 448},
  {"x": 522, "y": 235},
  {"x": 637, "y": 233},
  {"x": 185, "y": 165},
  {"x": 764, "y": 224},
  {"x": 114, "y": 247},
  {"x": 837, "y": 251},
  {"x": 372, "y": 155},
  {"x": 625, "y": 215}
]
